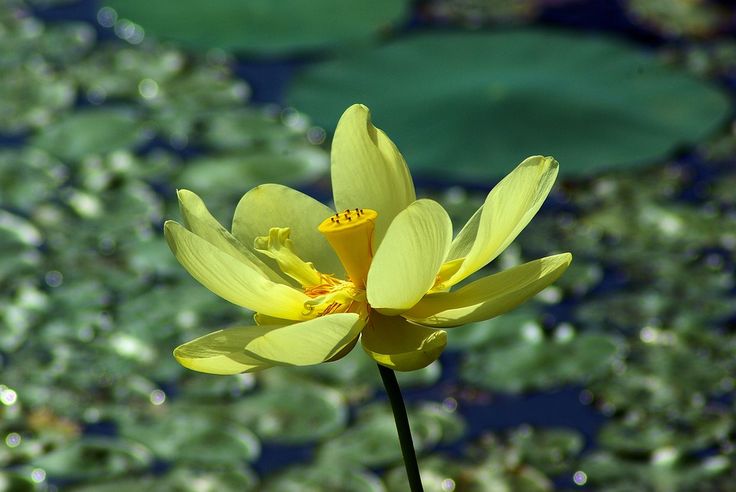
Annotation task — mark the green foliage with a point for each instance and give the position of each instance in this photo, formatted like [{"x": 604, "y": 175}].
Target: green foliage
[
  {"x": 263, "y": 27},
  {"x": 472, "y": 105},
  {"x": 89, "y": 132},
  {"x": 92, "y": 301}
]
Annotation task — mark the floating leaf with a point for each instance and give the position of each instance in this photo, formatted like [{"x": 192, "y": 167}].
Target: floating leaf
[
  {"x": 665, "y": 471},
  {"x": 550, "y": 450},
  {"x": 639, "y": 434},
  {"x": 208, "y": 439},
  {"x": 110, "y": 457},
  {"x": 245, "y": 128},
  {"x": 90, "y": 131},
  {"x": 372, "y": 442},
  {"x": 323, "y": 477},
  {"x": 472, "y": 105},
  {"x": 533, "y": 361},
  {"x": 228, "y": 173},
  {"x": 14, "y": 482},
  {"x": 678, "y": 18},
  {"x": 260, "y": 26},
  {"x": 180, "y": 480},
  {"x": 293, "y": 413}
]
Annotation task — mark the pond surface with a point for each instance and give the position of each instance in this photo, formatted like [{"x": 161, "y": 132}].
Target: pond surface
[{"x": 620, "y": 377}]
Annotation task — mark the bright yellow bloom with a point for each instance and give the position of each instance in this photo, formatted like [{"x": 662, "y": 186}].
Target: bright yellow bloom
[{"x": 382, "y": 269}]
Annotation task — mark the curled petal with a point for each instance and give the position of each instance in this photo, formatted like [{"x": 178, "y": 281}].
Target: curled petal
[
  {"x": 273, "y": 205},
  {"x": 406, "y": 264},
  {"x": 200, "y": 221},
  {"x": 509, "y": 207},
  {"x": 398, "y": 344},
  {"x": 233, "y": 280},
  {"x": 220, "y": 352},
  {"x": 368, "y": 171},
  {"x": 310, "y": 342},
  {"x": 489, "y": 296}
]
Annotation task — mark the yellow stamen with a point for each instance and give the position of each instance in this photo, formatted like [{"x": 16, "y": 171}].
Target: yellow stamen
[
  {"x": 350, "y": 234},
  {"x": 278, "y": 246}
]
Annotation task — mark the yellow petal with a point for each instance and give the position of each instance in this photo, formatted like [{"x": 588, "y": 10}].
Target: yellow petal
[
  {"x": 231, "y": 279},
  {"x": 397, "y": 344},
  {"x": 368, "y": 170},
  {"x": 199, "y": 220},
  {"x": 406, "y": 264},
  {"x": 306, "y": 343},
  {"x": 509, "y": 207},
  {"x": 272, "y": 205},
  {"x": 489, "y": 296},
  {"x": 220, "y": 352},
  {"x": 262, "y": 319}
]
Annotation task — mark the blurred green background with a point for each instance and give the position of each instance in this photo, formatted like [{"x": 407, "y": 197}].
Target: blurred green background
[{"x": 620, "y": 378}]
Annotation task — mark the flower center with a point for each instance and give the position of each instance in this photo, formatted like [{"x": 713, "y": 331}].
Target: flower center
[{"x": 350, "y": 234}]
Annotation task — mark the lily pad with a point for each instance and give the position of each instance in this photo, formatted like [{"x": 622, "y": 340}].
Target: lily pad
[
  {"x": 372, "y": 441},
  {"x": 323, "y": 477},
  {"x": 110, "y": 457},
  {"x": 90, "y": 131},
  {"x": 243, "y": 170},
  {"x": 202, "y": 443},
  {"x": 637, "y": 435},
  {"x": 222, "y": 179},
  {"x": 665, "y": 378},
  {"x": 263, "y": 27},
  {"x": 550, "y": 450},
  {"x": 243, "y": 129},
  {"x": 666, "y": 470},
  {"x": 294, "y": 413},
  {"x": 180, "y": 480},
  {"x": 472, "y": 105},
  {"x": 532, "y": 360},
  {"x": 14, "y": 482}
]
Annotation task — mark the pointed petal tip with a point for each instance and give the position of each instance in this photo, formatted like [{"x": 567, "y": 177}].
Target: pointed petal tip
[
  {"x": 540, "y": 160},
  {"x": 561, "y": 260},
  {"x": 358, "y": 108},
  {"x": 168, "y": 226},
  {"x": 357, "y": 115},
  {"x": 183, "y": 193}
]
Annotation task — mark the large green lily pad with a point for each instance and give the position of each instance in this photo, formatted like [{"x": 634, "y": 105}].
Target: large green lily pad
[
  {"x": 473, "y": 105},
  {"x": 262, "y": 27}
]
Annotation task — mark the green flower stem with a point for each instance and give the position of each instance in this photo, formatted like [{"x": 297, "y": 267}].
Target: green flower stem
[{"x": 402, "y": 427}]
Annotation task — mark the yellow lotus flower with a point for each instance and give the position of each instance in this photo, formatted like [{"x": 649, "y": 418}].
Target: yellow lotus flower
[{"x": 381, "y": 269}]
